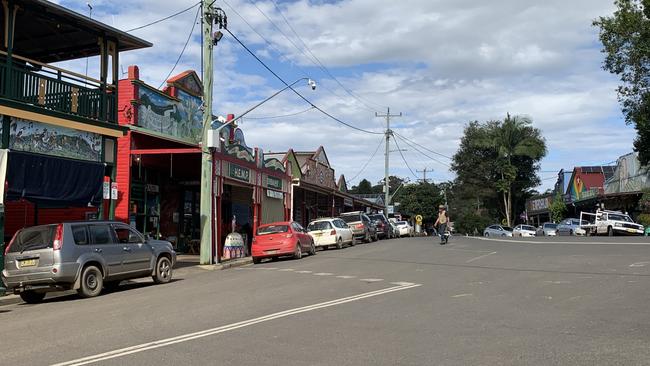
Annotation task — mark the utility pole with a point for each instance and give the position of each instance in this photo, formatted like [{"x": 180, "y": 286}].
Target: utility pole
[
  {"x": 424, "y": 177},
  {"x": 388, "y": 133},
  {"x": 205, "y": 207}
]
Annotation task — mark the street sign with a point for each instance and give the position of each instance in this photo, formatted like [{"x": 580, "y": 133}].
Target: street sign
[{"x": 114, "y": 190}]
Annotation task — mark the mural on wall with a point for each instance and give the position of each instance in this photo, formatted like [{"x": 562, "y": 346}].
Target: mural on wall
[
  {"x": 30, "y": 136},
  {"x": 180, "y": 118},
  {"x": 234, "y": 144},
  {"x": 275, "y": 164},
  {"x": 629, "y": 175}
]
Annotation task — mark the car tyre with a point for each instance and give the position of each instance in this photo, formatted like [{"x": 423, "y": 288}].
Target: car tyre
[
  {"x": 353, "y": 242},
  {"x": 312, "y": 248},
  {"x": 367, "y": 239},
  {"x": 257, "y": 260},
  {"x": 610, "y": 231},
  {"x": 487, "y": 235},
  {"x": 32, "y": 297},
  {"x": 298, "y": 252},
  {"x": 570, "y": 232},
  {"x": 92, "y": 282},
  {"x": 164, "y": 271},
  {"x": 339, "y": 244}
]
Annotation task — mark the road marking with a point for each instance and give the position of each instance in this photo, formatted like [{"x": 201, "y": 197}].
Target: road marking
[
  {"x": 371, "y": 279},
  {"x": 225, "y": 328},
  {"x": 346, "y": 277},
  {"x": 468, "y": 250},
  {"x": 479, "y": 257},
  {"x": 639, "y": 264},
  {"x": 461, "y": 295},
  {"x": 323, "y": 274},
  {"x": 513, "y": 241},
  {"x": 402, "y": 283},
  {"x": 287, "y": 270},
  {"x": 557, "y": 282},
  {"x": 303, "y": 271}
]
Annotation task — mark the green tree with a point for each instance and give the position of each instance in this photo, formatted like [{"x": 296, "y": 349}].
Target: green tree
[
  {"x": 558, "y": 209},
  {"x": 419, "y": 199},
  {"x": 626, "y": 44},
  {"x": 514, "y": 140},
  {"x": 364, "y": 187}
]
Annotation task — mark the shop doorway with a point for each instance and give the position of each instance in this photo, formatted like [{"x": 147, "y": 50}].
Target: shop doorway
[{"x": 237, "y": 213}]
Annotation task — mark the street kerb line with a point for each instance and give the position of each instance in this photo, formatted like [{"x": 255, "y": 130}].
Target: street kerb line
[
  {"x": 225, "y": 328},
  {"x": 479, "y": 257},
  {"x": 513, "y": 241}
]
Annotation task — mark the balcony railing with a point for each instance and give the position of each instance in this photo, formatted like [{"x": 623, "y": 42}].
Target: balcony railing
[{"x": 56, "y": 89}]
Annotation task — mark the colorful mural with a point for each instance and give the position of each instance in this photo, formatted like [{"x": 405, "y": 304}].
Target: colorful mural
[
  {"x": 275, "y": 164},
  {"x": 234, "y": 144},
  {"x": 30, "y": 136},
  {"x": 629, "y": 175},
  {"x": 180, "y": 118}
]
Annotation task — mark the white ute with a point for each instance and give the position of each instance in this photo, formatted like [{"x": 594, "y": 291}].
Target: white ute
[{"x": 610, "y": 223}]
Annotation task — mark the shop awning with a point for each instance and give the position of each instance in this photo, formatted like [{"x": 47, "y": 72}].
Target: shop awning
[{"x": 53, "y": 181}]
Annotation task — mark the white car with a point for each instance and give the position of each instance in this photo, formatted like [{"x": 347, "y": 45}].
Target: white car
[
  {"x": 404, "y": 229},
  {"x": 328, "y": 231},
  {"x": 497, "y": 230},
  {"x": 525, "y": 231}
]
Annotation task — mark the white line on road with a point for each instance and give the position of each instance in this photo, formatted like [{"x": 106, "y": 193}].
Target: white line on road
[
  {"x": 287, "y": 270},
  {"x": 461, "y": 295},
  {"x": 639, "y": 264},
  {"x": 513, "y": 241},
  {"x": 346, "y": 277},
  {"x": 479, "y": 257},
  {"x": 225, "y": 328},
  {"x": 323, "y": 274},
  {"x": 303, "y": 271},
  {"x": 371, "y": 279}
]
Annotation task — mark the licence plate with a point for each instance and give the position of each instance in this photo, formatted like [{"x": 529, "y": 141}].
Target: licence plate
[
  {"x": 318, "y": 234},
  {"x": 631, "y": 231},
  {"x": 28, "y": 263},
  {"x": 271, "y": 251}
]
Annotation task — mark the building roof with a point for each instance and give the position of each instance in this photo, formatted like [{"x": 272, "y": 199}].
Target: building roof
[{"x": 48, "y": 32}]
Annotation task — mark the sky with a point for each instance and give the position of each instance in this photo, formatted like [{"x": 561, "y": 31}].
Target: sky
[{"x": 441, "y": 63}]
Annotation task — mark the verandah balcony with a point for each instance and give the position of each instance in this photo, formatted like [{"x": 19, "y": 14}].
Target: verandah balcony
[{"x": 51, "y": 88}]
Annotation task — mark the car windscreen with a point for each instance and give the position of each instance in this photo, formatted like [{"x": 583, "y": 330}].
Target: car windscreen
[
  {"x": 550, "y": 226},
  {"x": 529, "y": 228},
  {"x": 507, "y": 228},
  {"x": 401, "y": 223},
  {"x": 33, "y": 238},
  {"x": 319, "y": 225},
  {"x": 376, "y": 217},
  {"x": 272, "y": 229},
  {"x": 351, "y": 218},
  {"x": 617, "y": 217}
]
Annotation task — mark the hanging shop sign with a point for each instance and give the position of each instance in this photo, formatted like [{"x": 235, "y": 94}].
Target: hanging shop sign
[
  {"x": 274, "y": 183},
  {"x": 114, "y": 190},
  {"x": 348, "y": 202},
  {"x": 106, "y": 191},
  {"x": 153, "y": 188},
  {"x": 274, "y": 194},
  {"x": 240, "y": 173}
]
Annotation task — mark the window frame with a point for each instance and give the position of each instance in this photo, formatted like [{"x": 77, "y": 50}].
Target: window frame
[{"x": 86, "y": 232}]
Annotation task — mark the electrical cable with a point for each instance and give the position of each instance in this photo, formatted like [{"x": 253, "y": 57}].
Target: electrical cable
[
  {"x": 318, "y": 62},
  {"x": 163, "y": 19},
  {"x": 420, "y": 151},
  {"x": 296, "y": 92},
  {"x": 282, "y": 116},
  {"x": 183, "y": 50},
  {"x": 404, "y": 159},
  {"x": 367, "y": 162},
  {"x": 424, "y": 147}
]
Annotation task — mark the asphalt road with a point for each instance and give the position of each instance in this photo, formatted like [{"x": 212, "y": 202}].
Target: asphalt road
[{"x": 560, "y": 301}]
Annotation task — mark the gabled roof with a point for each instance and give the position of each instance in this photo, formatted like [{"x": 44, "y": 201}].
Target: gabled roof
[
  {"x": 187, "y": 80},
  {"x": 291, "y": 157},
  {"x": 342, "y": 184}
]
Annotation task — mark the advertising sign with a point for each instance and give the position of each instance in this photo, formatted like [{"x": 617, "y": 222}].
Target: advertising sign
[
  {"x": 274, "y": 183},
  {"x": 274, "y": 194},
  {"x": 240, "y": 173},
  {"x": 114, "y": 190},
  {"x": 106, "y": 191}
]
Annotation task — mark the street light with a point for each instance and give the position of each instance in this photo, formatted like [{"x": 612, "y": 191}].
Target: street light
[{"x": 311, "y": 83}]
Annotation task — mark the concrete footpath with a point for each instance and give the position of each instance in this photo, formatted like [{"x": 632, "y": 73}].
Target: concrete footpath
[{"x": 184, "y": 264}]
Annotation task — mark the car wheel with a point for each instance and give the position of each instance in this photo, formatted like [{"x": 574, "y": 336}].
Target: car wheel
[
  {"x": 257, "y": 260},
  {"x": 375, "y": 238},
  {"x": 571, "y": 232},
  {"x": 298, "y": 252},
  {"x": 354, "y": 241},
  {"x": 367, "y": 239},
  {"x": 339, "y": 244},
  {"x": 503, "y": 234},
  {"x": 91, "y": 282},
  {"x": 32, "y": 297},
  {"x": 487, "y": 235},
  {"x": 312, "y": 248},
  {"x": 610, "y": 231},
  {"x": 163, "y": 270}
]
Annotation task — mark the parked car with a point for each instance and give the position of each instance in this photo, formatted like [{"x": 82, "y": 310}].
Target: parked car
[
  {"x": 384, "y": 228},
  {"x": 281, "y": 239},
  {"x": 330, "y": 231},
  {"x": 361, "y": 226},
  {"x": 85, "y": 256},
  {"x": 571, "y": 226},
  {"x": 525, "y": 231},
  {"x": 547, "y": 229},
  {"x": 404, "y": 229},
  {"x": 607, "y": 222},
  {"x": 497, "y": 230}
]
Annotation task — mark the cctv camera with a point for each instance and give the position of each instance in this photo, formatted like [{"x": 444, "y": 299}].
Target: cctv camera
[{"x": 312, "y": 83}]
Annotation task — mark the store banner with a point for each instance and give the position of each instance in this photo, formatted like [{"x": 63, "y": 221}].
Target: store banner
[{"x": 4, "y": 155}]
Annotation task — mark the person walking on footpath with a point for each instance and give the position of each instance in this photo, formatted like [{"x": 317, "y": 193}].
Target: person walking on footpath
[{"x": 441, "y": 224}]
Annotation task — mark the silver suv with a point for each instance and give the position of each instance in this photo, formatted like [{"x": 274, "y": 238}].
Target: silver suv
[{"x": 82, "y": 256}]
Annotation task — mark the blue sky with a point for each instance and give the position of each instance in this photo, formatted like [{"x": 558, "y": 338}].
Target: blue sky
[{"x": 440, "y": 62}]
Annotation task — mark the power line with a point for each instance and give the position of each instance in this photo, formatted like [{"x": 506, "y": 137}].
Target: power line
[
  {"x": 404, "y": 159},
  {"x": 367, "y": 162},
  {"x": 420, "y": 151},
  {"x": 163, "y": 19},
  {"x": 424, "y": 147},
  {"x": 189, "y": 37},
  {"x": 296, "y": 92},
  {"x": 284, "y": 115},
  {"x": 320, "y": 64}
]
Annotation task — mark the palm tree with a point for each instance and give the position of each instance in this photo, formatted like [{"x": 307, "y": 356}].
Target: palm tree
[{"x": 514, "y": 137}]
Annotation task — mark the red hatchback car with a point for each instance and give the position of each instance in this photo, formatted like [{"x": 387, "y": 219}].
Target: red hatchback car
[{"x": 281, "y": 239}]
